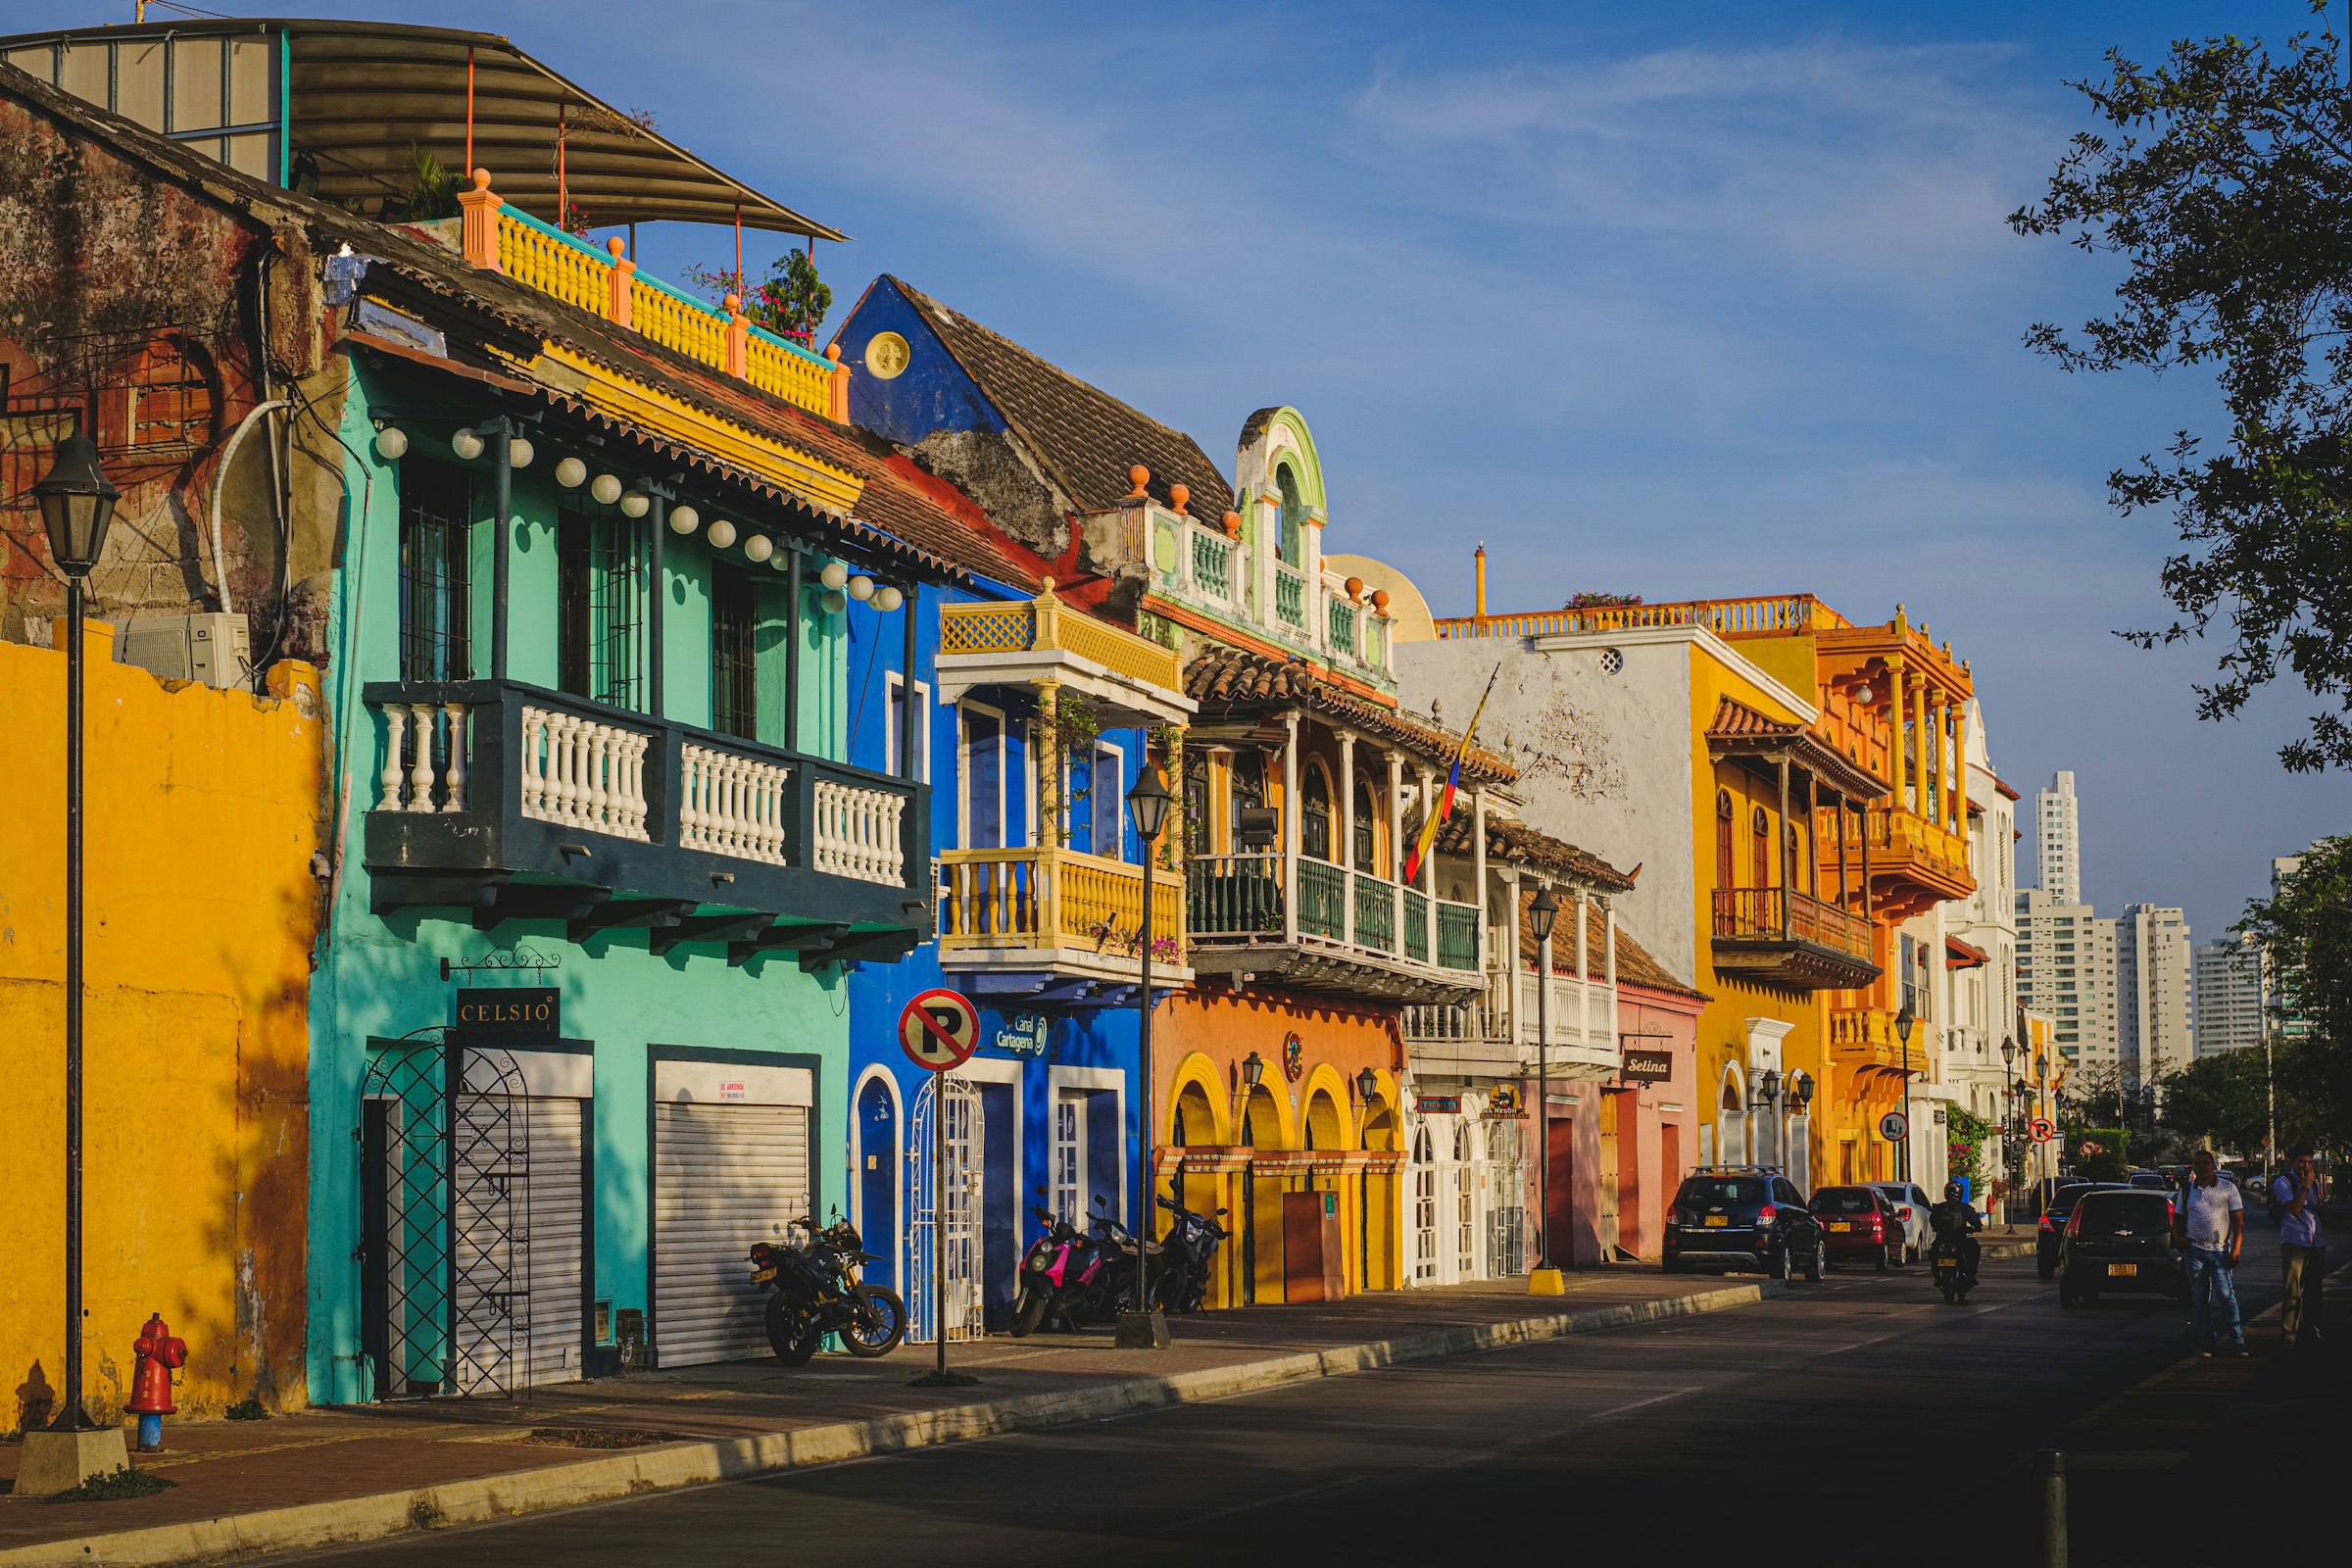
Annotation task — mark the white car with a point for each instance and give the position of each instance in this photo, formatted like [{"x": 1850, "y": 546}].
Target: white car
[{"x": 1911, "y": 1208}]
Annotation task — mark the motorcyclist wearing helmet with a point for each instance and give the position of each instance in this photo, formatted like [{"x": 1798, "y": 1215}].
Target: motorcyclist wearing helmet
[{"x": 1955, "y": 1218}]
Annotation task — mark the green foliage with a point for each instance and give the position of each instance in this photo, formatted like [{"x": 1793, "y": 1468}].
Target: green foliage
[
  {"x": 2112, "y": 1162},
  {"x": 791, "y": 301},
  {"x": 2227, "y": 188},
  {"x": 432, "y": 188},
  {"x": 120, "y": 1482},
  {"x": 1966, "y": 1139},
  {"x": 249, "y": 1408},
  {"x": 2307, "y": 932}
]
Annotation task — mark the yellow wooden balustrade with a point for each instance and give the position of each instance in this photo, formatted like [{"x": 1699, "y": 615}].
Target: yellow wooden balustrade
[
  {"x": 1045, "y": 624},
  {"x": 1897, "y": 836},
  {"x": 782, "y": 374},
  {"x": 1054, "y": 898},
  {"x": 1866, "y": 1037},
  {"x": 1770, "y": 615},
  {"x": 539, "y": 259}
]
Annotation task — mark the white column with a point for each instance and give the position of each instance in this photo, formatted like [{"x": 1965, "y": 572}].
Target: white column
[
  {"x": 1395, "y": 861},
  {"x": 1429, "y": 869},
  {"x": 1510, "y": 962},
  {"x": 1290, "y": 827},
  {"x": 1478, "y": 867},
  {"x": 1608, "y": 937},
  {"x": 1584, "y": 970},
  {"x": 1346, "y": 787}
]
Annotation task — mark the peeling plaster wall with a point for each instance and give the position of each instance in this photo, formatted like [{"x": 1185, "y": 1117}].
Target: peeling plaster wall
[{"x": 100, "y": 257}]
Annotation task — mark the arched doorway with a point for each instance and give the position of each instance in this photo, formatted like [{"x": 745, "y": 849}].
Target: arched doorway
[
  {"x": 1730, "y": 1122},
  {"x": 878, "y": 1155},
  {"x": 1262, "y": 1203},
  {"x": 1425, "y": 1208}
]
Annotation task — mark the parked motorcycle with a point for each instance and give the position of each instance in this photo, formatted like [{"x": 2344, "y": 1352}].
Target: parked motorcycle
[
  {"x": 1189, "y": 1249},
  {"x": 1112, "y": 1289},
  {"x": 1058, "y": 1274},
  {"x": 814, "y": 1290},
  {"x": 1950, "y": 1275}
]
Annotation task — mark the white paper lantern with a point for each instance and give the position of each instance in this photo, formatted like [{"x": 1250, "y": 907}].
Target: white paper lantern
[
  {"x": 392, "y": 443},
  {"x": 722, "y": 534},
  {"x": 684, "y": 519},
  {"x": 572, "y": 473},
  {"x": 636, "y": 503},
  {"x": 606, "y": 488},
  {"x": 833, "y": 600},
  {"x": 888, "y": 598},
  {"x": 862, "y": 587},
  {"x": 835, "y": 574},
  {"x": 466, "y": 444},
  {"x": 781, "y": 561},
  {"x": 759, "y": 546},
  {"x": 519, "y": 453}
]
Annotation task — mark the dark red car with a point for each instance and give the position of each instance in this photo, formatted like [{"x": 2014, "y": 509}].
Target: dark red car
[{"x": 1859, "y": 1225}]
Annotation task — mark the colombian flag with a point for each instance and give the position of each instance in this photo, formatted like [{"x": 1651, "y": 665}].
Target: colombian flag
[{"x": 1432, "y": 821}]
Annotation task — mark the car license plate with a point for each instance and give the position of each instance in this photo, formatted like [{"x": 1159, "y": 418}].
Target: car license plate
[
  {"x": 2123, "y": 1270},
  {"x": 1716, "y": 1219},
  {"x": 1841, "y": 1225},
  {"x": 763, "y": 1276}
]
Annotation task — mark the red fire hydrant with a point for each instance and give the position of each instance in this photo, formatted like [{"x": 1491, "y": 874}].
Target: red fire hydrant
[{"x": 159, "y": 1354}]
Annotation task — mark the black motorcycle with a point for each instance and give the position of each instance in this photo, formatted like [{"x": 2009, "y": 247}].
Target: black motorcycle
[
  {"x": 1112, "y": 1290},
  {"x": 815, "y": 1292},
  {"x": 1188, "y": 1250},
  {"x": 1951, "y": 1272}
]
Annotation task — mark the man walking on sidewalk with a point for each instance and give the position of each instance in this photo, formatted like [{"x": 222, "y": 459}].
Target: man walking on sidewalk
[
  {"x": 2211, "y": 1227},
  {"x": 2300, "y": 1245}
]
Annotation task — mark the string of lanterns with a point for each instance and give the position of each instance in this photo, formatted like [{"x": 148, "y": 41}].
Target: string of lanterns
[{"x": 838, "y": 584}]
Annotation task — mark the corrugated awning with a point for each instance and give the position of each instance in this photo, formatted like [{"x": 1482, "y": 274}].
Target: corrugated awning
[{"x": 360, "y": 94}]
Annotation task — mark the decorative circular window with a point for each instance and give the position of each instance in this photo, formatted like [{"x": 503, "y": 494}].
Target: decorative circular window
[
  {"x": 886, "y": 354},
  {"x": 1611, "y": 660}
]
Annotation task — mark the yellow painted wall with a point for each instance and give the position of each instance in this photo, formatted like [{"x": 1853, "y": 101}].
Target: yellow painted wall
[
  {"x": 200, "y": 822},
  {"x": 1722, "y": 1023}
]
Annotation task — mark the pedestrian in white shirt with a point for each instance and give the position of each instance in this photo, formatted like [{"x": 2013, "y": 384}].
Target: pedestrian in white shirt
[{"x": 2210, "y": 1225}]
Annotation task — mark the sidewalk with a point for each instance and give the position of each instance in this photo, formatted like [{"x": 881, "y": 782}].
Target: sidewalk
[{"x": 360, "y": 1473}]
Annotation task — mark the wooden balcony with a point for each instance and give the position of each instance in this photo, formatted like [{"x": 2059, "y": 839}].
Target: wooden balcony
[
  {"x": 1056, "y": 926},
  {"x": 1477, "y": 1036},
  {"x": 1865, "y": 1037},
  {"x": 1353, "y": 934},
  {"x": 1769, "y": 616},
  {"x": 1914, "y": 863},
  {"x": 1791, "y": 939},
  {"x": 517, "y": 803},
  {"x": 1022, "y": 641}
]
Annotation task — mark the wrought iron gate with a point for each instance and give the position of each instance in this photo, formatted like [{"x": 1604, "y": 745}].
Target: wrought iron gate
[
  {"x": 444, "y": 1240},
  {"x": 966, "y": 1141},
  {"x": 1506, "y": 1200}
]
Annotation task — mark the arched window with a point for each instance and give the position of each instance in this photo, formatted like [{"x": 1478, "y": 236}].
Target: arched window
[
  {"x": 1367, "y": 843},
  {"x": 1788, "y": 876},
  {"x": 1725, "y": 875},
  {"x": 1760, "y": 852},
  {"x": 1292, "y": 539},
  {"x": 1314, "y": 819}
]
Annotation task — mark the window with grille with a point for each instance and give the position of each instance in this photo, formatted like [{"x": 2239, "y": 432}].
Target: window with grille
[
  {"x": 734, "y": 661},
  {"x": 436, "y": 524},
  {"x": 600, "y": 573}
]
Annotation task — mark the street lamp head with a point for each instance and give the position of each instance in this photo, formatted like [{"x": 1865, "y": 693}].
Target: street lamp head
[
  {"x": 1367, "y": 1084},
  {"x": 1254, "y": 1070},
  {"x": 1903, "y": 1024},
  {"x": 1148, "y": 803},
  {"x": 78, "y": 503},
  {"x": 2008, "y": 1048},
  {"x": 1542, "y": 914}
]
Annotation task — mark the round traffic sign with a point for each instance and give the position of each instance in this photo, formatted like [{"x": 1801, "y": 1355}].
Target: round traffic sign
[
  {"x": 1892, "y": 1127},
  {"x": 939, "y": 1029},
  {"x": 2043, "y": 1129}
]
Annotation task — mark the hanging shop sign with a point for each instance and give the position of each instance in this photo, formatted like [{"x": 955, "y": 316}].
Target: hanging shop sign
[
  {"x": 510, "y": 1009},
  {"x": 1506, "y": 1100},
  {"x": 1024, "y": 1035},
  {"x": 1645, "y": 1066},
  {"x": 1437, "y": 1105}
]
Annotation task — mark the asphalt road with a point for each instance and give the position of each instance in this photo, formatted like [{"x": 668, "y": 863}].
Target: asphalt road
[{"x": 1804, "y": 1429}]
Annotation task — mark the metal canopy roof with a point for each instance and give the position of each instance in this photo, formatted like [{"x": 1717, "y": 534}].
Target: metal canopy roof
[{"x": 361, "y": 93}]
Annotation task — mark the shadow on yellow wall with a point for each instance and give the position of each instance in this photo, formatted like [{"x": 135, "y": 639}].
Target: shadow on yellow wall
[{"x": 201, "y": 816}]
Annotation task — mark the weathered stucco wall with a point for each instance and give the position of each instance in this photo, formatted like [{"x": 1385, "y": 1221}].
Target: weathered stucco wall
[{"x": 201, "y": 820}]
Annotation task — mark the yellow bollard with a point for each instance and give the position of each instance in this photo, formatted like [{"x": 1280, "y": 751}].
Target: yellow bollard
[{"x": 1547, "y": 1282}]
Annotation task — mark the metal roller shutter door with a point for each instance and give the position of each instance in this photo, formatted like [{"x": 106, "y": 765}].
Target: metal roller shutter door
[
  {"x": 557, "y": 1202},
  {"x": 724, "y": 1176}
]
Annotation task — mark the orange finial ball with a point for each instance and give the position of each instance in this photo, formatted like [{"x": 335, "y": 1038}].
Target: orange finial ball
[
  {"x": 833, "y": 351},
  {"x": 614, "y": 247},
  {"x": 1178, "y": 496},
  {"x": 1139, "y": 476},
  {"x": 734, "y": 304},
  {"x": 1355, "y": 588},
  {"x": 482, "y": 179},
  {"x": 1233, "y": 524},
  {"x": 1380, "y": 600}
]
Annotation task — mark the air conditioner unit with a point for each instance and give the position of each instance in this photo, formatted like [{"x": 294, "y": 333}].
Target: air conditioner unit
[{"x": 215, "y": 649}]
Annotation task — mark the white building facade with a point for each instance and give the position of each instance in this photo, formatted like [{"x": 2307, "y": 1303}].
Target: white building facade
[
  {"x": 2154, "y": 1017},
  {"x": 2227, "y": 983},
  {"x": 2065, "y": 967},
  {"x": 2058, "y": 840},
  {"x": 1980, "y": 953}
]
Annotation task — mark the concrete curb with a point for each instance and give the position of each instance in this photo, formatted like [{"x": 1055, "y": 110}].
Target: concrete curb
[{"x": 353, "y": 1520}]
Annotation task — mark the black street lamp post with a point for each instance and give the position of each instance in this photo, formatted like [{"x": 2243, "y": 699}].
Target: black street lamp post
[
  {"x": 2009, "y": 1122},
  {"x": 1542, "y": 912},
  {"x": 1903, "y": 1025},
  {"x": 1144, "y": 1327},
  {"x": 77, "y": 504}
]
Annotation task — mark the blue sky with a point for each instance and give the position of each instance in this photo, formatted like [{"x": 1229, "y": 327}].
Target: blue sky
[{"x": 1700, "y": 299}]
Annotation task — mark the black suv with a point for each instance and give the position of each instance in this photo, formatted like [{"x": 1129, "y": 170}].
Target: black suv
[
  {"x": 2117, "y": 1241},
  {"x": 1743, "y": 1217},
  {"x": 2052, "y": 1231}
]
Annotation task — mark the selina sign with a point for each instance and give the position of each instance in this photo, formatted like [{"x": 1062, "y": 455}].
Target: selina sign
[
  {"x": 510, "y": 1009},
  {"x": 1645, "y": 1067}
]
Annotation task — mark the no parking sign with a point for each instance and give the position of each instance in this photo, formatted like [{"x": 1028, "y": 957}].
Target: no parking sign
[{"x": 939, "y": 1029}]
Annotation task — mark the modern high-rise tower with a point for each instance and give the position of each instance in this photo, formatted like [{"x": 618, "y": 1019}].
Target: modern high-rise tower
[
  {"x": 2058, "y": 841},
  {"x": 2154, "y": 1024}
]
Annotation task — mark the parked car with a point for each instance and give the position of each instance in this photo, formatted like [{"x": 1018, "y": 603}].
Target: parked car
[
  {"x": 2052, "y": 1232},
  {"x": 1861, "y": 1225},
  {"x": 2118, "y": 1241},
  {"x": 1911, "y": 1205},
  {"x": 1743, "y": 1217}
]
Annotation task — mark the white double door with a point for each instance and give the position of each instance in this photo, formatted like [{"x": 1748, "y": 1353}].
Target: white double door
[{"x": 1449, "y": 1202}]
